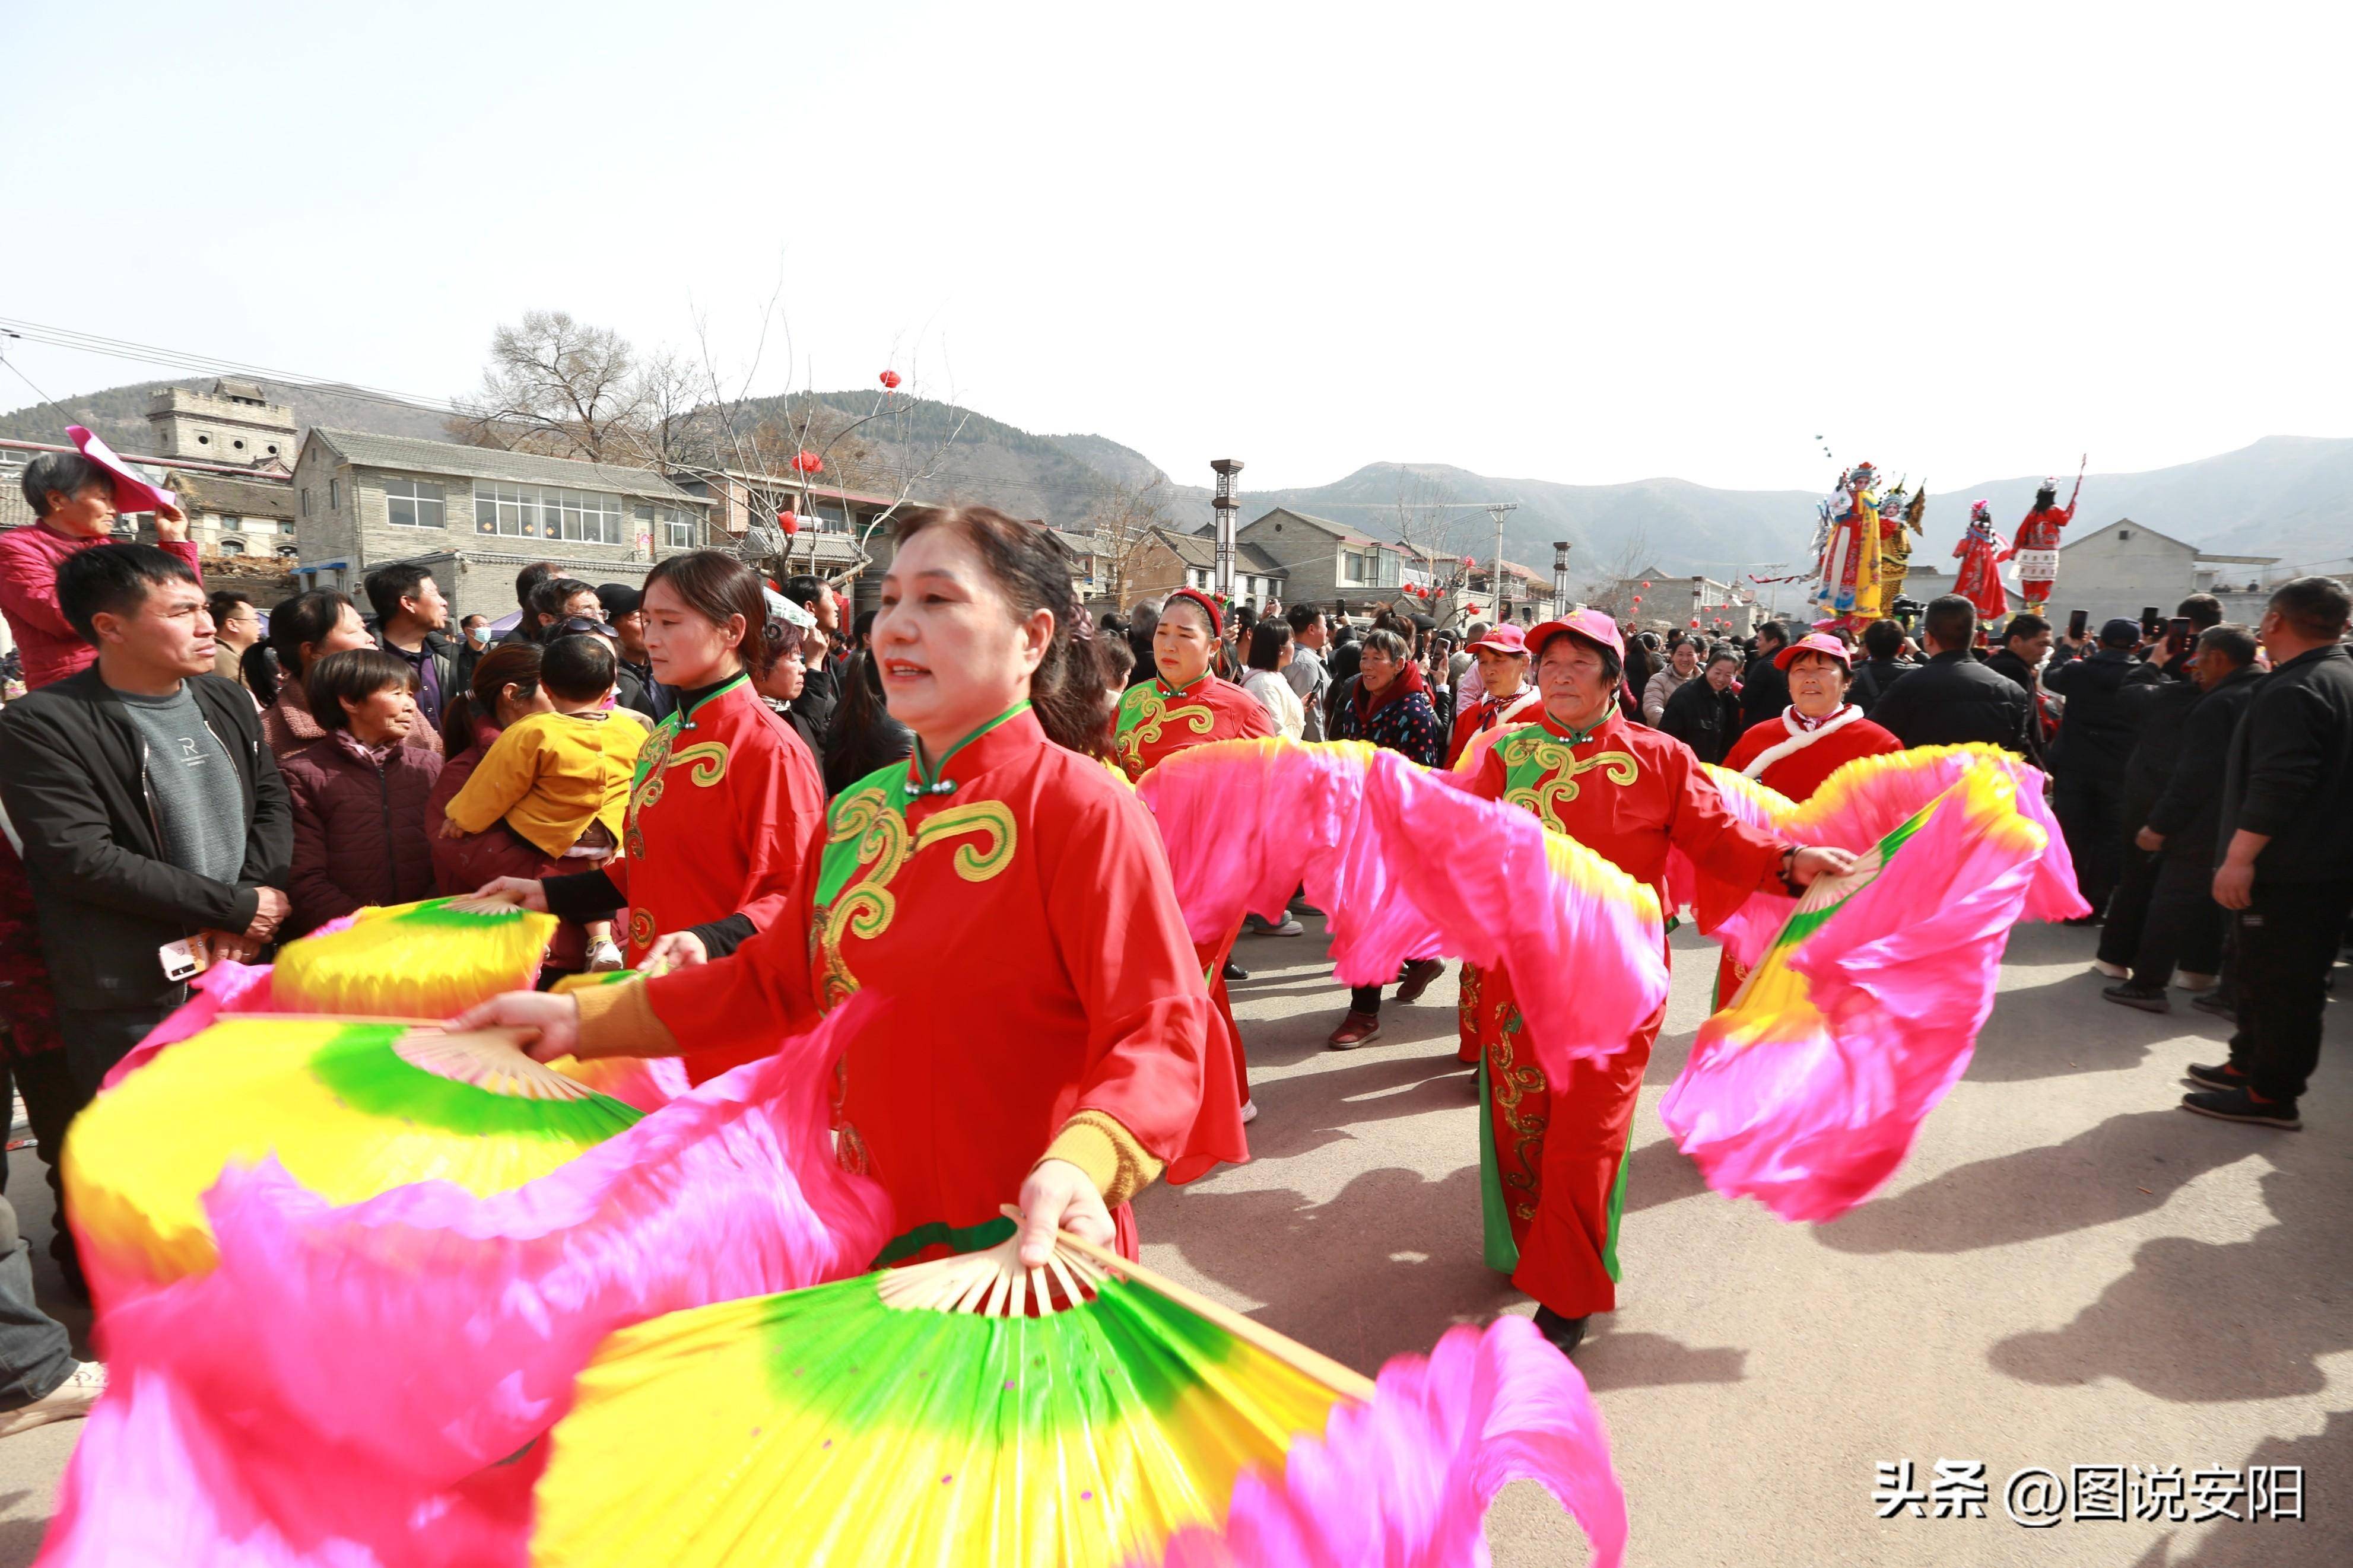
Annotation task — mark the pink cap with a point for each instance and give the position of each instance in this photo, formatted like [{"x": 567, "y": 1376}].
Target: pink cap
[
  {"x": 132, "y": 493},
  {"x": 1817, "y": 642},
  {"x": 1505, "y": 638},
  {"x": 1591, "y": 625}
]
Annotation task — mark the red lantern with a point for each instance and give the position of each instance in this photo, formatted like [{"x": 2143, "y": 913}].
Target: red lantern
[
  {"x": 1646, "y": 585},
  {"x": 1638, "y": 598},
  {"x": 790, "y": 522},
  {"x": 1468, "y": 562},
  {"x": 1694, "y": 620},
  {"x": 891, "y": 379},
  {"x": 806, "y": 462}
]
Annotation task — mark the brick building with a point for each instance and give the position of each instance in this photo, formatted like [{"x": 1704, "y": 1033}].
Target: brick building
[
  {"x": 476, "y": 516},
  {"x": 1166, "y": 559}
]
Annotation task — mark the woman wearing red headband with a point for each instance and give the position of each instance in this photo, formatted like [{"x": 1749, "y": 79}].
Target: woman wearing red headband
[{"x": 1185, "y": 705}]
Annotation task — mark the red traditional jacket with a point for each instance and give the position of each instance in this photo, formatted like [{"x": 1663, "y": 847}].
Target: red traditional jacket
[
  {"x": 723, "y": 814},
  {"x": 2040, "y": 529},
  {"x": 1782, "y": 754},
  {"x": 1477, "y": 717},
  {"x": 1156, "y": 719},
  {"x": 1013, "y": 909},
  {"x": 1976, "y": 578},
  {"x": 1626, "y": 792}
]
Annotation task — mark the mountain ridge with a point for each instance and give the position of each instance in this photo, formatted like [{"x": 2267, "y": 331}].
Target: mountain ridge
[{"x": 2284, "y": 496}]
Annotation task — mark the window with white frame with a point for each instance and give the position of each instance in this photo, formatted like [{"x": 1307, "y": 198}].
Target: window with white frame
[
  {"x": 535, "y": 512},
  {"x": 334, "y": 494},
  {"x": 1353, "y": 565},
  {"x": 415, "y": 503},
  {"x": 679, "y": 528}
]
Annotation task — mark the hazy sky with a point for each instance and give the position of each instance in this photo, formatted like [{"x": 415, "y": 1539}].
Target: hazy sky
[{"x": 1563, "y": 241}]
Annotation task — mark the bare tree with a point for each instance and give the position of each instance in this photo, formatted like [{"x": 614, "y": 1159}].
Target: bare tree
[
  {"x": 1122, "y": 521},
  {"x": 1614, "y": 590},
  {"x": 560, "y": 387},
  {"x": 1430, "y": 525}
]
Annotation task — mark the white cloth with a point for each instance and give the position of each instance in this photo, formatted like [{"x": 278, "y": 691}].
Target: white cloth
[
  {"x": 1282, "y": 704},
  {"x": 1800, "y": 735},
  {"x": 2037, "y": 565}
]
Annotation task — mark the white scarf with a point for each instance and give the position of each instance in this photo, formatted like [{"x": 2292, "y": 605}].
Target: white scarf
[{"x": 1799, "y": 737}]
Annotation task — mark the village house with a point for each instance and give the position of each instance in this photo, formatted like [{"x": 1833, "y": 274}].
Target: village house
[{"x": 476, "y": 516}]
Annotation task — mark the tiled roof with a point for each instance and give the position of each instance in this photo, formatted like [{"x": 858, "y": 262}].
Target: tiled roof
[{"x": 410, "y": 455}]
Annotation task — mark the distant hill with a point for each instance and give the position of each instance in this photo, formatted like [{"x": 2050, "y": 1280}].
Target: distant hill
[
  {"x": 2288, "y": 496},
  {"x": 119, "y": 413}
]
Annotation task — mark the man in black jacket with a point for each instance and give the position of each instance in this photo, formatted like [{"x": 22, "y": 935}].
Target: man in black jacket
[
  {"x": 1953, "y": 700},
  {"x": 2087, "y": 761},
  {"x": 1764, "y": 690},
  {"x": 411, "y": 618},
  {"x": 152, "y": 817},
  {"x": 2286, "y": 846},
  {"x": 1883, "y": 641},
  {"x": 2182, "y": 925}
]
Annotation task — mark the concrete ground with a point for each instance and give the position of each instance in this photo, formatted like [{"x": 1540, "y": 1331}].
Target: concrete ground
[{"x": 2069, "y": 1271}]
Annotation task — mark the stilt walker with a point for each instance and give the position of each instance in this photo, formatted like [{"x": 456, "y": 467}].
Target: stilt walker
[
  {"x": 1552, "y": 1163},
  {"x": 2037, "y": 550},
  {"x": 1978, "y": 577}
]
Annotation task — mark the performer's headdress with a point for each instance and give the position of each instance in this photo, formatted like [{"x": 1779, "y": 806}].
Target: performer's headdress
[
  {"x": 1980, "y": 511},
  {"x": 2046, "y": 492}
]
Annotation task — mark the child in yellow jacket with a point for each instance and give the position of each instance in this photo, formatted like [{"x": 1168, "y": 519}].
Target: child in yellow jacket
[{"x": 561, "y": 779}]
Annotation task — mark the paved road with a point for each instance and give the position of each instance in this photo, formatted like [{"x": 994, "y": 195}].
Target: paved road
[{"x": 2069, "y": 1271}]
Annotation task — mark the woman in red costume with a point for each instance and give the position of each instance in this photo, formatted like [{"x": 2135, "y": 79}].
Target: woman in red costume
[
  {"x": 1041, "y": 1036},
  {"x": 1554, "y": 1174},
  {"x": 1187, "y": 705},
  {"x": 726, "y": 802},
  {"x": 1818, "y": 733},
  {"x": 1978, "y": 578}
]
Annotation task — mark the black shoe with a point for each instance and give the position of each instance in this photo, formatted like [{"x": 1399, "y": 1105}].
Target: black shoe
[
  {"x": 1564, "y": 1334},
  {"x": 2220, "y": 1007},
  {"x": 1235, "y": 971},
  {"x": 2222, "y": 1074},
  {"x": 2146, "y": 998},
  {"x": 2238, "y": 1105},
  {"x": 1416, "y": 978}
]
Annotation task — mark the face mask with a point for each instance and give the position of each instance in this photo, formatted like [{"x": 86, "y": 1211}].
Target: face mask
[{"x": 479, "y": 636}]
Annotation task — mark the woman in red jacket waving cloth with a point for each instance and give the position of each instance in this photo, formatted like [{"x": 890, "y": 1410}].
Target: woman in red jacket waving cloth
[
  {"x": 1042, "y": 1036},
  {"x": 1558, "y": 1151},
  {"x": 726, "y": 809},
  {"x": 1183, "y": 705},
  {"x": 1818, "y": 733}
]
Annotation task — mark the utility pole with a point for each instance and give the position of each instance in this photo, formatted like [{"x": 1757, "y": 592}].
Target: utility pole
[
  {"x": 1560, "y": 548},
  {"x": 1225, "y": 505},
  {"x": 1499, "y": 510}
]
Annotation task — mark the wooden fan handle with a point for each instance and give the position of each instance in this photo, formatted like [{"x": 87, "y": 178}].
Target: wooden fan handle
[{"x": 1344, "y": 1381}]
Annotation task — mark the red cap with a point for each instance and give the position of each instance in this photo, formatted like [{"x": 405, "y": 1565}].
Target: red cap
[
  {"x": 132, "y": 493},
  {"x": 1505, "y": 638},
  {"x": 1816, "y": 642},
  {"x": 1217, "y": 620},
  {"x": 1591, "y": 625}
]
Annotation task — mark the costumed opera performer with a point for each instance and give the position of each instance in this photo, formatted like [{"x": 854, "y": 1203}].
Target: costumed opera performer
[
  {"x": 726, "y": 803},
  {"x": 1043, "y": 1030},
  {"x": 1818, "y": 733},
  {"x": 1186, "y": 704},
  {"x": 1626, "y": 792}
]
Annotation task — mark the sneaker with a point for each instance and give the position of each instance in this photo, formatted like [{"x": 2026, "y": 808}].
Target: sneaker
[
  {"x": 1250, "y": 1112},
  {"x": 2222, "y": 1074},
  {"x": 1564, "y": 1334},
  {"x": 2213, "y": 1002},
  {"x": 1235, "y": 971},
  {"x": 2188, "y": 981},
  {"x": 2148, "y": 998},
  {"x": 69, "y": 1401},
  {"x": 1355, "y": 1031},
  {"x": 2238, "y": 1105},
  {"x": 2113, "y": 970},
  {"x": 604, "y": 957},
  {"x": 1416, "y": 978},
  {"x": 1290, "y": 927}
]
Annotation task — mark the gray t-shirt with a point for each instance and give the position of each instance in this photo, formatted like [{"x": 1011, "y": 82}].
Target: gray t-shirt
[
  {"x": 1309, "y": 680},
  {"x": 199, "y": 799}
]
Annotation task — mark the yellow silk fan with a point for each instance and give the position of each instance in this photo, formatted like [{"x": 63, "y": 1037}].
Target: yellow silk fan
[
  {"x": 962, "y": 1411},
  {"x": 432, "y": 959},
  {"x": 351, "y": 1108}
]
